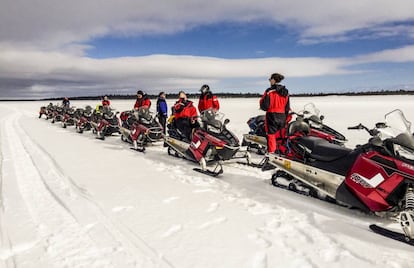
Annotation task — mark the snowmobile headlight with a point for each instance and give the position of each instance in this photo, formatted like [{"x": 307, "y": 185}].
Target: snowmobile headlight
[
  {"x": 213, "y": 129},
  {"x": 403, "y": 152},
  {"x": 219, "y": 147}
]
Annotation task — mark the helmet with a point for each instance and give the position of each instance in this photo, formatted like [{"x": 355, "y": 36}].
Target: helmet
[{"x": 204, "y": 89}]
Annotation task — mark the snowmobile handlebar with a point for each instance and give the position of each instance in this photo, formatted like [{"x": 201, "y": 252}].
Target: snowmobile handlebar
[
  {"x": 372, "y": 132},
  {"x": 359, "y": 126}
]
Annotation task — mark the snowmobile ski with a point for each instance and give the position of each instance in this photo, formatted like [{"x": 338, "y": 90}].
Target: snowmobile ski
[
  {"x": 209, "y": 172},
  {"x": 141, "y": 150},
  {"x": 391, "y": 234}
]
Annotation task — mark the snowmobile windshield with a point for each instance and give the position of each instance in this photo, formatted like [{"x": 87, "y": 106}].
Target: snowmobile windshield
[
  {"x": 143, "y": 114},
  {"x": 395, "y": 124},
  {"x": 212, "y": 120},
  {"x": 311, "y": 113},
  {"x": 397, "y": 130}
]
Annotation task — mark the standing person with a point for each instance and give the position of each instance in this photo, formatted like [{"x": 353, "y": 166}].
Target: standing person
[
  {"x": 106, "y": 102},
  {"x": 142, "y": 101},
  {"x": 207, "y": 100},
  {"x": 65, "y": 102},
  {"x": 275, "y": 101},
  {"x": 162, "y": 110},
  {"x": 185, "y": 115}
]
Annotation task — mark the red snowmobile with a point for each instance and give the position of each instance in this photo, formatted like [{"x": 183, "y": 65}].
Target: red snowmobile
[
  {"x": 57, "y": 114},
  {"x": 43, "y": 111},
  {"x": 68, "y": 117},
  {"x": 140, "y": 128},
  {"x": 211, "y": 144},
  {"x": 375, "y": 177},
  {"x": 83, "y": 118}
]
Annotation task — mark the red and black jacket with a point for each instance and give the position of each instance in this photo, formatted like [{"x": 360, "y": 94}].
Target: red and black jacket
[
  {"x": 275, "y": 101},
  {"x": 106, "y": 103},
  {"x": 208, "y": 101},
  {"x": 184, "y": 109},
  {"x": 142, "y": 102}
]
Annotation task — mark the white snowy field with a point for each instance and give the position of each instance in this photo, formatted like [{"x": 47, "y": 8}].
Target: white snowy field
[{"x": 70, "y": 200}]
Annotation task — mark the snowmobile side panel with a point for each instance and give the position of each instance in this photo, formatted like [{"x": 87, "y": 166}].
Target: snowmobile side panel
[
  {"x": 322, "y": 180},
  {"x": 255, "y": 139},
  {"x": 177, "y": 145}
]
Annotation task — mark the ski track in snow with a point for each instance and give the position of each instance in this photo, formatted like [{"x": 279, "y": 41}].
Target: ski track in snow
[
  {"x": 65, "y": 238},
  {"x": 297, "y": 237}
]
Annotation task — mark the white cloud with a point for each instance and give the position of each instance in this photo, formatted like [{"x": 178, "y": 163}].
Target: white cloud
[
  {"x": 400, "y": 55},
  {"x": 42, "y": 41},
  {"x": 37, "y": 70},
  {"x": 52, "y": 24}
]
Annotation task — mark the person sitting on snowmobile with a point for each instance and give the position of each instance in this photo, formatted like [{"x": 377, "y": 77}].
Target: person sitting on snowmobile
[
  {"x": 185, "y": 115},
  {"x": 97, "y": 113},
  {"x": 143, "y": 101},
  {"x": 275, "y": 101},
  {"x": 207, "y": 100},
  {"x": 106, "y": 102}
]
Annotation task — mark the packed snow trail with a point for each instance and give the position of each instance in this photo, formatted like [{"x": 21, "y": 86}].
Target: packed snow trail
[{"x": 72, "y": 229}]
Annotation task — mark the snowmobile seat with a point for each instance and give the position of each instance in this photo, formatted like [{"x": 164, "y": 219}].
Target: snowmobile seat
[
  {"x": 256, "y": 125},
  {"x": 322, "y": 150}
]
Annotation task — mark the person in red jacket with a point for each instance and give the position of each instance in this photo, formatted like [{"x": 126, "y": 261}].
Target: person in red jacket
[
  {"x": 106, "y": 102},
  {"x": 143, "y": 101},
  {"x": 207, "y": 100},
  {"x": 185, "y": 115},
  {"x": 275, "y": 101}
]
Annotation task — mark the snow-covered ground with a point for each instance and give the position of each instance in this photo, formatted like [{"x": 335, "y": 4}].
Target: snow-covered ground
[{"x": 70, "y": 200}]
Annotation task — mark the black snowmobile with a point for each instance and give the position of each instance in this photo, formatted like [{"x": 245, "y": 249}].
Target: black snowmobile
[
  {"x": 211, "y": 144},
  {"x": 105, "y": 122},
  {"x": 256, "y": 140}
]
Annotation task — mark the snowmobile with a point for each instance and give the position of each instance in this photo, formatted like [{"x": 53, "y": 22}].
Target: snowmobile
[
  {"x": 68, "y": 117},
  {"x": 256, "y": 139},
  {"x": 211, "y": 144},
  {"x": 140, "y": 128},
  {"x": 83, "y": 118},
  {"x": 57, "y": 114},
  {"x": 375, "y": 177},
  {"x": 104, "y": 122},
  {"x": 47, "y": 111},
  {"x": 43, "y": 111}
]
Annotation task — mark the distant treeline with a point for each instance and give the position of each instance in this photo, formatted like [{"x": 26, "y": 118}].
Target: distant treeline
[
  {"x": 233, "y": 95},
  {"x": 248, "y": 95}
]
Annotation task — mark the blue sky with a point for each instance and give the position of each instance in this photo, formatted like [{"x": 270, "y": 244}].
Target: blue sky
[
  {"x": 92, "y": 48},
  {"x": 237, "y": 40}
]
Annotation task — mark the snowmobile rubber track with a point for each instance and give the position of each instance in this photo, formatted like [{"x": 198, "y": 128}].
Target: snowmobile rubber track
[
  {"x": 391, "y": 234},
  {"x": 295, "y": 186}
]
